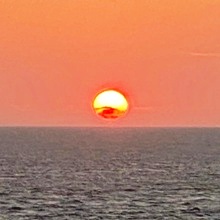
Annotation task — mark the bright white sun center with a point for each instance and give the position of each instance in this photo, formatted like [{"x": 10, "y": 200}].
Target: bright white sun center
[{"x": 111, "y": 98}]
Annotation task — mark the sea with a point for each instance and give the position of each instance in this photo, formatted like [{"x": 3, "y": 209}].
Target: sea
[{"x": 109, "y": 173}]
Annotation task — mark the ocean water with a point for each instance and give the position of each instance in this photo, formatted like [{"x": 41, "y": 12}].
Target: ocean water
[{"x": 109, "y": 173}]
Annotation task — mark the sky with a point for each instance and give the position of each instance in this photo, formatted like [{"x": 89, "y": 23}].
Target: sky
[{"x": 55, "y": 56}]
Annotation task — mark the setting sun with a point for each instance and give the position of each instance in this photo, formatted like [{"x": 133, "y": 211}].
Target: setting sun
[{"x": 110, "y": 104}]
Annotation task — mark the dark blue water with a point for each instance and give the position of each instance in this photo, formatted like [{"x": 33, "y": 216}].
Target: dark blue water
[{"x": 109, "y": 173}]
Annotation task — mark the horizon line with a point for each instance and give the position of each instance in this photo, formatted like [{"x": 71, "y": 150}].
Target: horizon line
[{"x": 109, "y": 126}]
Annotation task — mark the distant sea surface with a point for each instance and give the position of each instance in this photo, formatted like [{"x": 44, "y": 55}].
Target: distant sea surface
[{"x": 109, "y": 173}]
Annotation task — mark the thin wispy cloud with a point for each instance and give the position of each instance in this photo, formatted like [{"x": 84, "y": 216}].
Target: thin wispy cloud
[
  {"x": 201, "y": 54},
  {"x": 142, "y": 108},
  {"x": 20, "y": 108}
]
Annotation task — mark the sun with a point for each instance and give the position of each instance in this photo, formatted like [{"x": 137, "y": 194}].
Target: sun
[{"x": 110, "y": 104}]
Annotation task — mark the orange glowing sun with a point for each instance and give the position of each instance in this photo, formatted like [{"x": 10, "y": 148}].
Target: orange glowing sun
[{"x": 110, "y": 104}]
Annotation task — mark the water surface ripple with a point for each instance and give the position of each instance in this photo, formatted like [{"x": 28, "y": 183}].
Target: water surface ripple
[{"x": 109, "y": 173}]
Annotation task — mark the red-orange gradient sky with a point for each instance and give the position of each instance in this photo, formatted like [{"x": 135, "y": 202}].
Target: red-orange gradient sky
[{"x": 56, "y": 54}]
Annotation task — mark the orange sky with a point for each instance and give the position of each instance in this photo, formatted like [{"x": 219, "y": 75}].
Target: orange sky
[{"x": 55, "y": 55}]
